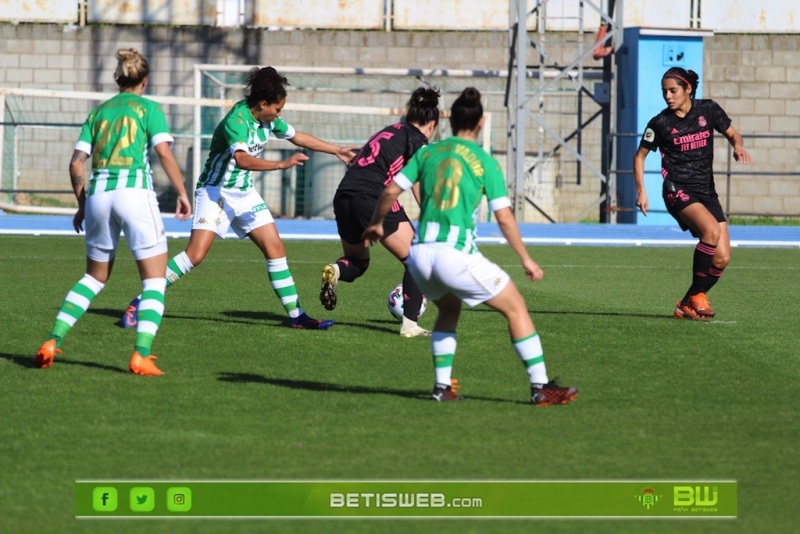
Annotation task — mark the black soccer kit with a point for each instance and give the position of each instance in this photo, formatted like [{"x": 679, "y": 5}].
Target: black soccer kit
[
  {"x": 371, "y": 171},
  {"x": 687, "y": 146}
]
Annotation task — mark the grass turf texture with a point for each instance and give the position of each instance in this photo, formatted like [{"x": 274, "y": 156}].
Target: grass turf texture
[{"x": 246, "y": 397}]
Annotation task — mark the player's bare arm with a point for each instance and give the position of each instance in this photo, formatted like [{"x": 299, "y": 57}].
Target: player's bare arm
[
  {"x": 251, "y": 163},
  {"x": 304, "y": 140},
  {"x": 739, "y": 153},
  {"x": 508, "y": 225},
  {"x": 638, "y": 178},
  {"x": 77, "y": 174}
]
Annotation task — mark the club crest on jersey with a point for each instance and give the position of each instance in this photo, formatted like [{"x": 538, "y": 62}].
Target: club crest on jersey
[
  {"x": 649, "y": 135},
  {"x": 702, "y": 121}
]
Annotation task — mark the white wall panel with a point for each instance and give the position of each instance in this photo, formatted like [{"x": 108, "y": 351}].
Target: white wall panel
[
  {"x": 659, "y": 13},
  {"x": 178, "y": 12},
  {"x": 53, "y": 11},
  {"x": 325, "y": 14},
  {"x": 746, "y": 16},
  {"x": 451, "y": 14}
]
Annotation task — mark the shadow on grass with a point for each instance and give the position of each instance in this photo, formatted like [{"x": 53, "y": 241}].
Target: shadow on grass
[
  {"x": 534, "y": 313},
  {"x": 311, "y": 385},
  {"x": 27, "y": 362},
  {"x": 269, "y": 316}
]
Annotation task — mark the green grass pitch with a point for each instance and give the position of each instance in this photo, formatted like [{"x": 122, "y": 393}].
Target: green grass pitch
[{"x": 245, "y": 397}]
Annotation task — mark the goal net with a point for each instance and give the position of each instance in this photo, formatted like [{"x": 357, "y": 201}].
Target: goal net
[{"x": 39, "y": 129}]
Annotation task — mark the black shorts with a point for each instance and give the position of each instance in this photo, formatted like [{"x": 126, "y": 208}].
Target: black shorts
[
  {"x": 677, "y": 199},
  {"x": 353, "y": 215}
]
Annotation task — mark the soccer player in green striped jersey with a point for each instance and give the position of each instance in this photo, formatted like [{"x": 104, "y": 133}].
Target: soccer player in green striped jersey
[
  {"x": 453, "y": 176},
  {"x": 226, "y": 199},
  {"x": 120, "y": 197}
]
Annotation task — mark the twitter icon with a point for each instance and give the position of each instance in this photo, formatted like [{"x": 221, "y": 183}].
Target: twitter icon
[{"x": 143, "y": 499}]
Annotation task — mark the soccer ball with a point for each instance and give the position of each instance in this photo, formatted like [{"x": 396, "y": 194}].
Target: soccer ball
[{"x": 395, "y": 303}]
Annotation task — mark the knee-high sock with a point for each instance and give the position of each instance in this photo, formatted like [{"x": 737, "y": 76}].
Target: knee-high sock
[
  {"x": 443, "y": 347},
  {"x": 283, "y": 284},
  {"x": 713, "y": 277},
  {"x": 74, "y": 306},
  {"x": 703, "y": 254},
  {"x": 412, "y": 296},
  {"x": 529, "y": 350},
  {"x": 151, "y": 311},
  {"x": 351, "y": 268},
  {"x": 177, "y": 267}
]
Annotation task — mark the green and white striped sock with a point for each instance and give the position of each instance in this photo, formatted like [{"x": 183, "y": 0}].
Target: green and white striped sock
[
  {"x": 529, "y": 350},
  {"x": 283, "y": 284},
  {"x": 443, "y": 347},
  {"x": 151, "y": 311},
  {"x": 76, "y": 303}
]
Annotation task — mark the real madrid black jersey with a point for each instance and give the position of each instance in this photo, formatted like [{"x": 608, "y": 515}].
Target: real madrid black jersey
[
  {"x": 380, "y": 159},
  {"x": 687, "y": 145}
]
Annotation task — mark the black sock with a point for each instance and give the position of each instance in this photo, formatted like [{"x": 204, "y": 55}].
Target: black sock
[
  {"x": 351, "y": 268},
  {"x": 703, "y": 255},
  {"x": 713, "y": 277},
  {"x": 412, "y": 296}
]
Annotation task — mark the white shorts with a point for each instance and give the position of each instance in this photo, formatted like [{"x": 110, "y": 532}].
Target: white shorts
[
  {"x": 130, "y": 210},
  {"x": 218, "y": 209},
  {"x": 439, "y": 269}
]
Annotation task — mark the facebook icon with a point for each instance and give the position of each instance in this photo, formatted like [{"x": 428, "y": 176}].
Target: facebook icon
[{"x": 104, "y": 499}]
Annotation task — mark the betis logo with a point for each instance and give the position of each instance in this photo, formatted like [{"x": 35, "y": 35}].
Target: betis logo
[{"x": 648, "y": 498}]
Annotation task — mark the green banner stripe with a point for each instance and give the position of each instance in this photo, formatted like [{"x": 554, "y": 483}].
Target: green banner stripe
[{"x": 513, "y": 499}]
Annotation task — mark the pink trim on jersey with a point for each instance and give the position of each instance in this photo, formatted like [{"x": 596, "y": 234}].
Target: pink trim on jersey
[{"x": 394, "y": 168}]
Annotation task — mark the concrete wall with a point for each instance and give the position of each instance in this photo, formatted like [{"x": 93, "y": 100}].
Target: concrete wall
[{"x": 754, "y": 77}]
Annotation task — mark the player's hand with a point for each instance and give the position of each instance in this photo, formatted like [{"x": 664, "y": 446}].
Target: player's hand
[
  {"x": 641, "y": 202},
  {"x": 741, "y": 155},
  {"x": 296, "y": 159},
  {"x": 532, "y": 270},
  {"x": 183, "y": 209},
  {"x": 372, "y": 234},
  {"x": 346, "y": 154},
  {"x": 77, "y": 219}
]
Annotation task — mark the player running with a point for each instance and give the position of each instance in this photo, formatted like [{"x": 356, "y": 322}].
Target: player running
[
  {"x": 357, "y": 195},
  {"x": 453, "y": 176},
  {"x": 225, "y": 196},
  {"x": 120, "y": 197},
  {"x": 684, "y": 134}
]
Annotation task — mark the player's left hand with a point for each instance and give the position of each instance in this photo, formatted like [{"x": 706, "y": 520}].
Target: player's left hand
[
  {"x": 372, "y": 235},
  {"x": 741, "y": 155},
  {"x": 77, "y": 220},
  {"x": 346, "y": 154},
  {"x": 532, "y": 270}
]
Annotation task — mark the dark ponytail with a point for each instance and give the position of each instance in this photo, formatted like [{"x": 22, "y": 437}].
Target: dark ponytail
[
  {"x": 684, "y": 78},
  {"x": 467, "y": 110},
  {"x": 423, "y": 106}
]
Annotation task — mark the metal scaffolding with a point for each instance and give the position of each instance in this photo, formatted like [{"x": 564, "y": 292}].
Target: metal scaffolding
[{"x": 562, "y": 64}]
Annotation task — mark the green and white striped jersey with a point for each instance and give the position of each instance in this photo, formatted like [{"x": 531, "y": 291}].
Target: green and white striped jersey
[
  {"x": 454, "y": 175},
  {"x": 238, "y": 131},
  {"x": 117, "y": 134}
]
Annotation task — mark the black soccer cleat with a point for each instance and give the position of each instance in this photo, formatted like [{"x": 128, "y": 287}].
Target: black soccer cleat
[
  {"x": 442, "y": 393},
  {"x": 551, "y": 394}
]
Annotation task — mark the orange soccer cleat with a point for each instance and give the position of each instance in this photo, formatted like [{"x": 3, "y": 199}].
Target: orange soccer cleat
[
  {"x": 46, "y": 354},
  {"x": 145, "y": 366},
  {"x": 701, "y": 306}
]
